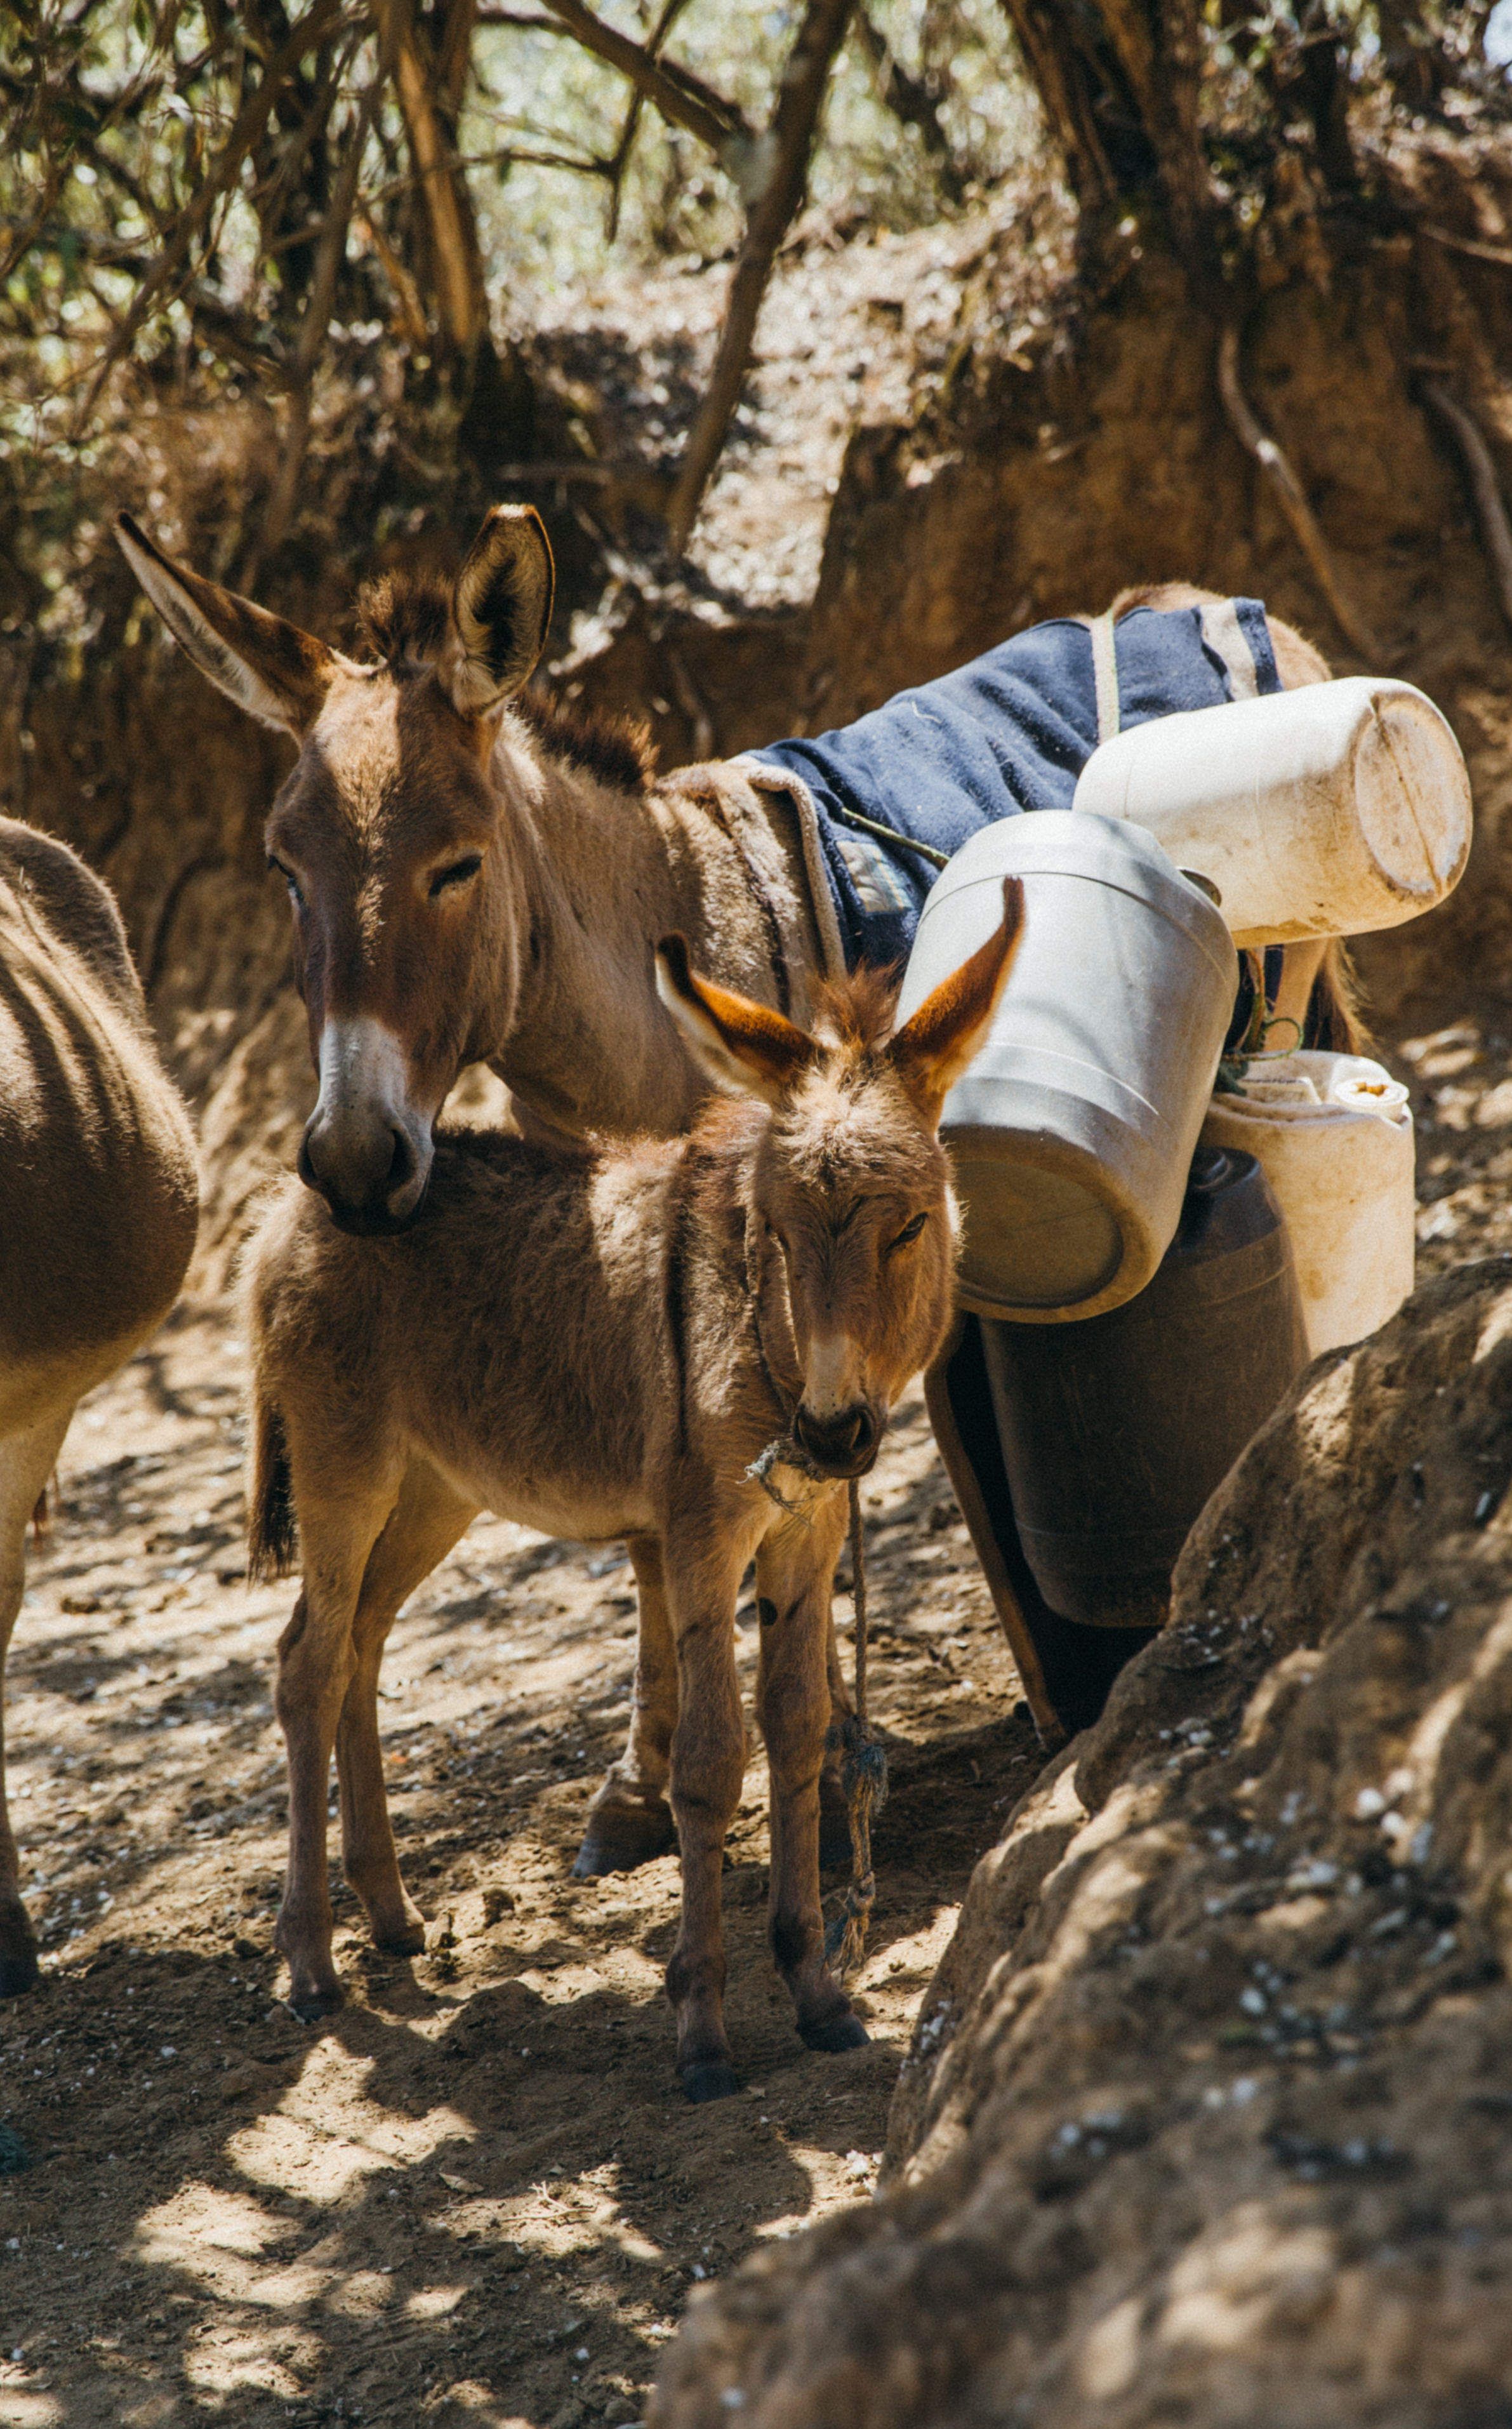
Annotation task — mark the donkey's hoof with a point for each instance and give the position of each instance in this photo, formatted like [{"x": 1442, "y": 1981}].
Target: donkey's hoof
[
  {"x": 312, "y": 2005},
  {"x": 839, "y": 2033},
  {"x": 19, "y": 1971},
  {"x": 620, "y": 1838},
  {"x": 407, "y": 1941},
  {"x": 709, "y": 2078},
  {"x": 834, "y": 1824}
]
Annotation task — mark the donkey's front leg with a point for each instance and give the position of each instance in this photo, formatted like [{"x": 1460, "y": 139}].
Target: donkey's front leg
[
  {"x": 630, "y": 1821},
  {"x": 428, "y": 1518},
  {"x": 795, "y": 1566},
  {"x": 708, "y": 1765},
  {"x": 25, "y": 1465}
]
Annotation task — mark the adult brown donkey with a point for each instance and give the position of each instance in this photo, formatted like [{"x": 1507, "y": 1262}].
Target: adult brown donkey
[
  {"x": 98, "y": 1205},
  {"x": 772, "y": 1278},
  {"x": 477, "y": 878}
]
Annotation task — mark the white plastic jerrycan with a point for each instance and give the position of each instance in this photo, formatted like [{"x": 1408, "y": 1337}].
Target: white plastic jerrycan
[
  {"x": 1073, "y": 1130},
  {"x": 1333, "y": 1135},
  {"x": 1328, "y": 811}
]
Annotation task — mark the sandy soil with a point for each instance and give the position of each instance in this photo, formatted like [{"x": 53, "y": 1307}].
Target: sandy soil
[{"x": 477, "y": 2194}]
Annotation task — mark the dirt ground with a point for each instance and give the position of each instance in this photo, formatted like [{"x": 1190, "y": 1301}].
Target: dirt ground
[{"x": 477, "y": 2193}]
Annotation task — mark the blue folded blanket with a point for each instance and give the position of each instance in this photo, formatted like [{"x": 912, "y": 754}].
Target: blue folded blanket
[{"x": 1011, "y": 731}]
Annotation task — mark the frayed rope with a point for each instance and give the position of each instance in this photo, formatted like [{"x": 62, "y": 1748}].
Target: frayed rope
[{"x": 863, "y": 1781}]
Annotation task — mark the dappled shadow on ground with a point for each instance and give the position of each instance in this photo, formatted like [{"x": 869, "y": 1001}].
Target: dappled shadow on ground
[{"x": 476, "y": 2194}]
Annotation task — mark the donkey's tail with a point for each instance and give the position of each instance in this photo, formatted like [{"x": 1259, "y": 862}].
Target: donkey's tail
[{"x": 272, "y": 1529}]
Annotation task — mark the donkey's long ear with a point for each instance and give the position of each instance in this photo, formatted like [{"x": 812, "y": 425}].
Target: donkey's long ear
[
  {"x": 950, "y": 1026},
  {"x": 274, "y": 672},
  {"x": 737, "y": 1044},
  {"x": 500, "y": 610}
]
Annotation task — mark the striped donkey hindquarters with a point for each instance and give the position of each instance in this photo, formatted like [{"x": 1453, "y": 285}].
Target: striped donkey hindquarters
[{"x": 98, "y": 1201}]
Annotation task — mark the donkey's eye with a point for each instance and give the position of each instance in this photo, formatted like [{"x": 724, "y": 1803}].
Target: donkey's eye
[
  {"x": 908, "y": 1234},
  {"x": 456, "y": 874},
  {"x": 289, "y": 877}
]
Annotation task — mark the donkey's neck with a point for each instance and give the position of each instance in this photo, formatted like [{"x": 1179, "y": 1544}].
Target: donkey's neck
[{"x": 606, "y": 874}]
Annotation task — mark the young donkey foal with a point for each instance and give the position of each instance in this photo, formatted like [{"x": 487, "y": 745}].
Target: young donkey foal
[{"x": 778, "y": 1275}]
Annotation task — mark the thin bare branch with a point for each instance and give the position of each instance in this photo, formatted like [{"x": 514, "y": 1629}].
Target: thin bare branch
[
  {"x": 329, "y": 254},
  {"x": 246, "y": 130},
  {"x": 1486, "y": 490},
  {"x": 913, "y": 100},
  {"x": 784, "y": 155},
  {"x": 411, "y": 310},
  {"x": 1291, "y": 499},
  {"x": 683, "y": 99},
  {"x": 1475, "y": 246},
  {"x": 671, "y": 12},
  {"x": 456, "y": 266}
]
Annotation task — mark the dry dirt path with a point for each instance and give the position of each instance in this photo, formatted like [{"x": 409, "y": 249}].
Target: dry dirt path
[{"x": 477, "y": 2193}]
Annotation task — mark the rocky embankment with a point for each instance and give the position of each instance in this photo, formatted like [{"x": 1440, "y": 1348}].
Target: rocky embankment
[{"x": 1208, "y": 2115}]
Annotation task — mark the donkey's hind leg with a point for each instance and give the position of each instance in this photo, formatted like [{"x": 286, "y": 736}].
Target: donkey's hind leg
[
  {"x": 705, "y": 1565},
  {"x": 427, "y": 1519},
  {"x": 630, "y": 1820},
  {"x": 25, "y": 1465}
]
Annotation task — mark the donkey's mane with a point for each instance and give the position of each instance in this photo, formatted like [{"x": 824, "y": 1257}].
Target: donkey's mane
[{"x": 618, "y": 750}]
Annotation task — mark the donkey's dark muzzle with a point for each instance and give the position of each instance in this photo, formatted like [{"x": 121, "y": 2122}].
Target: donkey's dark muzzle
[
  {"x": 844, "y": 1444},
  {"x": 371, "y": 1178}
]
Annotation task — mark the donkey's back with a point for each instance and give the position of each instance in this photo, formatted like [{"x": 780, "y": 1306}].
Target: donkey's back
[
  {"x": 98, "y": 1192},
  {"x": 515, "y": 1338}
]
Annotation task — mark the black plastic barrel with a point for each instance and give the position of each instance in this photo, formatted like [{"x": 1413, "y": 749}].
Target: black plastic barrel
[{"x": 1115, "y": 1431}]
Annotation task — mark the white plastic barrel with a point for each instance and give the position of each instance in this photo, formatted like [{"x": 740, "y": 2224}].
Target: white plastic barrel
[
  {"x": 1333, "y": 1135},
  {"x": 1072, "y": 1130},
  {"x": 1329, "y": 811}
]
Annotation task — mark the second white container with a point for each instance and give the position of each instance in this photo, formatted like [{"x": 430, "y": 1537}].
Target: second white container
[
  {"x": 1072, "y": 1130},
  {"x": 1328, "y": 811},
  {"x": 1332, "y": 1135}
]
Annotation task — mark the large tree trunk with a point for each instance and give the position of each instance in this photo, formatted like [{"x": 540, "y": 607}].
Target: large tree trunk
[
  {"x": 1120, "y": 83},
  {"x": 1060, "y": 74}
]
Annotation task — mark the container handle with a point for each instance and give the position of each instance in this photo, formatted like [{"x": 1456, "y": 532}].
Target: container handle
[{"x": 1105, "y": 673}]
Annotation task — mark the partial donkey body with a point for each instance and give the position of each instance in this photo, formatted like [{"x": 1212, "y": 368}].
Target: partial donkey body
[
  {"x": 474, "y": 878},
  {"x": 775, "y": 1276},
  {"x": 98, "y": 1205}
]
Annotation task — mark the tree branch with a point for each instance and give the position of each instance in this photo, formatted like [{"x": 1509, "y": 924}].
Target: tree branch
[
  {"x": 683, "y": 99},
  {"x": 914, "y": 101},
  {"x": 671, "y": 12},
  {"x": 784, "y": 155},
  {"x": 329, "y": 254},
  {"x": 246, "y": 130},
  {"x": 1291, "y": 499},
  {"x": 458, "y": 269},
  {"x": 1490, "y": 507},
  {"x": 1059, "y": 76}
]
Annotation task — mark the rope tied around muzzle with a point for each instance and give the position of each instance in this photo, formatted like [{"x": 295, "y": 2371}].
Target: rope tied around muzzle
[{"x": 862, "y": 1780}]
